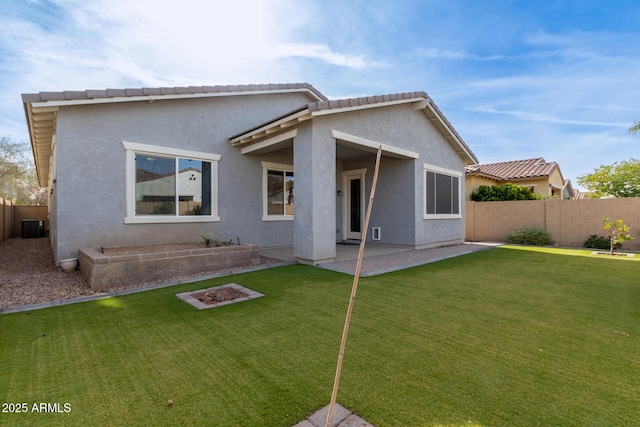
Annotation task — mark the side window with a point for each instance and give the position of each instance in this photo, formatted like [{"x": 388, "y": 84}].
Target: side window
[
  {"x": 441, "y": 193},
  {"x": 278, "y": 192}
]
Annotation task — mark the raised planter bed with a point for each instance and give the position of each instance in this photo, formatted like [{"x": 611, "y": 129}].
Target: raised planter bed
[{"x": 106, "y": 268}]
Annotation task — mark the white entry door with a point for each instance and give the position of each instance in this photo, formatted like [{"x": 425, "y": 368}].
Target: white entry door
[{"x": 354, "y": 209}]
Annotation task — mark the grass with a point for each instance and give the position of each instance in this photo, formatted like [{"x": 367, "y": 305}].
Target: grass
[{"x": 512, "y": 336}]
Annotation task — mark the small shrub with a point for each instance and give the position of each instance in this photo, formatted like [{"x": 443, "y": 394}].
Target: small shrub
[
  {"x": 529, "y": 236},
  {"x": 498, "y": 193},
  {"x": 618, "y": 232},
  {"x": 598, "y": 242}
]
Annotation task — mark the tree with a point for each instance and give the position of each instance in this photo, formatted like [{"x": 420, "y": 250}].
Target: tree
[
  {"x": 635, "y": 128},
  {"x": 18, "y": 180},
  {"x": 620, "y": 179},
  {"x": 618, "y": 232}
]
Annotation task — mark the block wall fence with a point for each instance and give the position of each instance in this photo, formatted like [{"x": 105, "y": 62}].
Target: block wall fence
[
  {"x": 6, "y": 219},
  {"x": 569, "y": 222}
]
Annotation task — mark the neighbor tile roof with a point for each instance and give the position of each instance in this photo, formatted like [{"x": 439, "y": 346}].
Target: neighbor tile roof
[
  {"x": 70, "y": 95},
  {"x": 528, "y": 168}
]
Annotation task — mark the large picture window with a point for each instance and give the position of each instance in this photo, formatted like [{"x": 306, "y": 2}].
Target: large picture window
[
  {"x": 170, "y": 185},
  {"x": 278, "y": 191},
  {"x": 441, "y": 193}
]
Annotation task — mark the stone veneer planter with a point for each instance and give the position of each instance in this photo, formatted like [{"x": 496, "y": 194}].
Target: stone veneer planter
[{"x": 112, "y": 267}]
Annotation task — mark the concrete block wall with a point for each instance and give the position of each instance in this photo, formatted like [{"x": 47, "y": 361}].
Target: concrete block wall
[
  {"x": 103, "y": 271},
  {"x": 570, "y": 222}
]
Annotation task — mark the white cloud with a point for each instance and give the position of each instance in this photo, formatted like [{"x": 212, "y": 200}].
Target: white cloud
[
  {"x": 537, "y": 117},
  {"x": 317, "y": 51},
  {"x": 435, "y": 53}
]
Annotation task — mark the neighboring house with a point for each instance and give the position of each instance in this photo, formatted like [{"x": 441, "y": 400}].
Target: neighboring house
[
  {"x": 167, "y": 165},
  {"x": 542, "y": 177}
]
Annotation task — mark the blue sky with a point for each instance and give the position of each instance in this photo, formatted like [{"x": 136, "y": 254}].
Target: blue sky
[{"x": 517, "y": 79}]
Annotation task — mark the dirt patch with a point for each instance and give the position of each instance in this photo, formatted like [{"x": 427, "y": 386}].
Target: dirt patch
[
  {"x": 613, "y": 254},
  {"x": 217, "y": 296},
  {"x": 28, "y": 274}
]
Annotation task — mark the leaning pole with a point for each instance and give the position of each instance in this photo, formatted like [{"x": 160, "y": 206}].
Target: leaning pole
[{"x": 354, "y": 288}]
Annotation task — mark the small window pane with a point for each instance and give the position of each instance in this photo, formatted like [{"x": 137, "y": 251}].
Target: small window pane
[
  {"x": 275, "y": 193},
  {"x": 455, "y": 190},
  {"x": 155, "y": 185},
  {"x": 431, "y": 193},
  {"x": 194, "y": 187},
  {"x": 443, "y": 194}
]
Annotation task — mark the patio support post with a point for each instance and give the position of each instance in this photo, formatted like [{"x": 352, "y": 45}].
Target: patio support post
[{"x": 314, "y": 168}]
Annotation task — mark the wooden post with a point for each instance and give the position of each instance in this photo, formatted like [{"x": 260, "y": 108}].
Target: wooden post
[{"x": 354, "y": 288}]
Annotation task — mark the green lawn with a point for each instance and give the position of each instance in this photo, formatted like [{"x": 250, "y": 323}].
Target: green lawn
[{"x": 506, "y": 337}]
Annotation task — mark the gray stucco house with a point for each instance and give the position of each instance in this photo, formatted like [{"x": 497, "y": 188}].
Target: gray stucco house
[{"x": 167, "y": 165}]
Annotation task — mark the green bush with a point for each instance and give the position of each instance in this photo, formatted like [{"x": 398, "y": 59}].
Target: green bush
[
  {"x": 508, "y": 191},
  {"x": 598, "y": 242},
  {"x": 529, "y": 236}
]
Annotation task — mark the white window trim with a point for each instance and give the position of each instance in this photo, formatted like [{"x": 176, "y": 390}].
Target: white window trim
[
  {"x": 266, "y": 166},
  {"x": 134, "y": 147},
  {"x": 430, "y": 168}
]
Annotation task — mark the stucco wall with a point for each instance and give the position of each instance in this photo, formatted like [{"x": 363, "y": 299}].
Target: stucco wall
[
  {"x": 398, "y": 206},
  {"x": 89, "y": 203},
  {"x": 570, "y": 222}
]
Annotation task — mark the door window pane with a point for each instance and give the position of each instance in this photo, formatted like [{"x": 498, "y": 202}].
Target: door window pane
[
  {"x": 354, "y": 201},
  {"x": 289, "y": 193},
  {"x": 275, "y": 192}
]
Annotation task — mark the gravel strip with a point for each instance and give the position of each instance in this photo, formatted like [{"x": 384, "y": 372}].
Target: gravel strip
[{"x": 28, "y": 275}]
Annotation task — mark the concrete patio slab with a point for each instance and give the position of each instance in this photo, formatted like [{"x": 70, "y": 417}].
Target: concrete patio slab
[
  {"x": 399, "y": 260},
  {"x": 343, "y": 252}
]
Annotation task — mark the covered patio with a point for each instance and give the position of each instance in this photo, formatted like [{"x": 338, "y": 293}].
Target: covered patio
[{"x": 333, "y": 163}]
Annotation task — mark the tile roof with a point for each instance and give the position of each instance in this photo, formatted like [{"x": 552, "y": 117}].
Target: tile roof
[
  {"x": 365, "y": 101},
  {"x": 40, "y": 108},
  {"x": 528, "y": 168},
  {"x": 72, "y": 95}
]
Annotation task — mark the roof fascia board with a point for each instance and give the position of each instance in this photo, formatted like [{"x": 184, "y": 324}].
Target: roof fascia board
[
  {"x": 107, "y": 100},
  {"x": 339, "y": 110},
  {"x": 268, "y": 128},
  {"x": 359, "y": 141}
]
